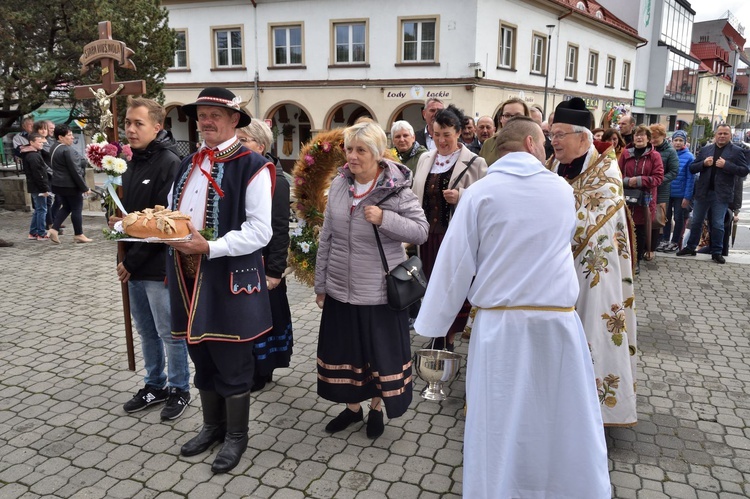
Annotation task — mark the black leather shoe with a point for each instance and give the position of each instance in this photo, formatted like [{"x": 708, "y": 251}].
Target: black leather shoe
[
  {"x": 230, "y": 453},
  {"x": 235, "y": 441},
  {"x": 718, "y": 259},
  {"x": 343, "y": 420},
  {"x": 637, "y": 268},
  {"x": 214, "y": 425},
  {"x": 209, "y": 435},
  {"x": 375, "y": 426},
  {"x": 686, "y": 252}
]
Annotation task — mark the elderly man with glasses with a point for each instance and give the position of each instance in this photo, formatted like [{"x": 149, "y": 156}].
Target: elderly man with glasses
[{"x": 603, "y": 256}]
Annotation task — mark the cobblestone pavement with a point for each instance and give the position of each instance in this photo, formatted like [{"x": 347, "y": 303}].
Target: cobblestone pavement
[{"x": 64, "y": 379}]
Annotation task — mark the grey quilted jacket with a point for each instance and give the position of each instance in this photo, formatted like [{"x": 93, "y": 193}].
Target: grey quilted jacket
[{"x": 348, "y": 265}]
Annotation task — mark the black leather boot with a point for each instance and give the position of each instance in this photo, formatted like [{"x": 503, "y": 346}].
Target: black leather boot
[
  {"x": 214, "y": 425},
  {"x": 235, "y": 440}
]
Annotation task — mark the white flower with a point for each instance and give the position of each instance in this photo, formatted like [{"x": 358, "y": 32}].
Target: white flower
[
  {"x": 297, "y": 232},
  {"x": 114, "y": 166},
  {"x": 305, "y": 247},
  {"x": 99, "y": 138},
  {"x": 120, "y": 165},
  {"x": 301, "y": 222}
]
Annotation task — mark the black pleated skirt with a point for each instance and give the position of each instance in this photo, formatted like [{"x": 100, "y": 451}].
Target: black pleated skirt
[
  {"x": 274, "y": 349},
  {"x": 364, "y": 352}
]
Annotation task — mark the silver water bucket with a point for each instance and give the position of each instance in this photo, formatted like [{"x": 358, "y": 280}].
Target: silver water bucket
[{"x": 436, "y": 367}]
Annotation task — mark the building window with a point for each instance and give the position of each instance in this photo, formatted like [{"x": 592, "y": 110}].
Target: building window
[
  {"x": 507, "y": 48},
  {"x": 610, "y": 79},
  {"x": 681, "y": 78},
  {"x": 350, "y": 42},
  {"x": 287, "y": 45},
  {"x": 419, "y": 40},
  {"x": 180, "y": 51},
  {"x": 593, "y": 68},
  {"x": 571, "y": 63},
  {"x": 625, "y": 83},
  {"x": 228, "y": 47},
  {"x": 538, "y": 53},
  {"x": 676, "y": 25}
]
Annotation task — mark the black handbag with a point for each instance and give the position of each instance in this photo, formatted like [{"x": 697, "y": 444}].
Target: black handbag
[
  {"x": 405, "y": 284},
  {"x": 633, "y": 197}
]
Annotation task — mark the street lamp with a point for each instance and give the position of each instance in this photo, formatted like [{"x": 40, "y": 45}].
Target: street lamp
[{"x": 550, "y": 29}]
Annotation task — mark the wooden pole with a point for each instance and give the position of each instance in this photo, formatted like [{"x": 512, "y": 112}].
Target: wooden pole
[{"x": 113, "y": 87}]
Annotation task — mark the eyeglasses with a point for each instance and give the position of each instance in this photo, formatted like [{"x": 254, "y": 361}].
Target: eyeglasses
[
  {"x": 561, "y": 135},
  {"x": 247, "y": 140},
  {"x": 508, "y": 116}
]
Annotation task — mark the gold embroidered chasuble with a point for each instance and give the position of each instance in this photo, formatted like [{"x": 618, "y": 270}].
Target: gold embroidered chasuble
[{"x": 606, "y": 302}]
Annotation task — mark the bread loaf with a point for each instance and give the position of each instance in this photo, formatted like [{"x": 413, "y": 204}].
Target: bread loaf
[{"x": 156, "y": 222}]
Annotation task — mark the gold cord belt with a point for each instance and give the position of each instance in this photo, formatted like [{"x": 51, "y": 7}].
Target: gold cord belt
[{"x": 533, "y": 307}]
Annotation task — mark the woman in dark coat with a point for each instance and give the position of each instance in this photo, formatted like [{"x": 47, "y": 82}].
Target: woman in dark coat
[
  {"x": 274, "y": 349},
  {"x": 68, "y": 183},
  {"x": 671, "y": 163},
  {"x": 642, "y": 169}
]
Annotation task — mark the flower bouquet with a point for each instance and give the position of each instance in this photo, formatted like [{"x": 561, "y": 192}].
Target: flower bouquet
[
  {"x": 613, "y": 115},
  {"x": 110, "y": 158},
  {"x": 318, "y": 162}
]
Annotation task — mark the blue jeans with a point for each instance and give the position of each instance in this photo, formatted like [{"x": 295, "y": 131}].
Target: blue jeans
[
  {"x": 718, "y": 210},
  {"x": 38, "y": 225},
  {"x": 149, "y": 305},
  {"x": 675, "y": 212}
]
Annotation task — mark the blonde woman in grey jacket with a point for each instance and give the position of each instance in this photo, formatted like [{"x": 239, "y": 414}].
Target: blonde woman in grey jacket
[{"x": 363, "y": 347}]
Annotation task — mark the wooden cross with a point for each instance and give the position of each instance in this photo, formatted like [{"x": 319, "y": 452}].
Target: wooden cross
[{"x": 108, "y": 51}]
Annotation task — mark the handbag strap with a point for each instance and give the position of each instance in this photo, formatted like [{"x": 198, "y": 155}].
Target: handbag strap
[
  {"x": 380, "y": 249},
  {"x": 461, "y": 175},
  {"x": 377, "y": 234}
]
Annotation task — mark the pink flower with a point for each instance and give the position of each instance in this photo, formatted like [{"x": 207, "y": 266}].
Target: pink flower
[
  {"x": 127, "y": 152},
  {"x": 110, "y": 150},
  {"x": 309, "y": 160},
  {"x": 326, "y": 147},
  {"x": 299, "y": 180},
  {"x": 300, "y": 207}
]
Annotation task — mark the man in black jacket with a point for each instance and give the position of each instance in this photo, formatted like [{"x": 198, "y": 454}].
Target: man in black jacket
[
  {"x": 719, "y": 165},
  {"x": 37, "y": 183},
  {"x": 146, "y": 183}
]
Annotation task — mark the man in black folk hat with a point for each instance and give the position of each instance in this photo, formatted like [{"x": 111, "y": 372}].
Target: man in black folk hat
[
  {"x": 217, "y": 285},
  {"x": 603, "y": 252}
]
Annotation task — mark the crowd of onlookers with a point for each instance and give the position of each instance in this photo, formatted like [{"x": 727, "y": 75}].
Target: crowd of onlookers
[
  {"x": 650, "y": 161},
  {"x": 55, "y": 179}
]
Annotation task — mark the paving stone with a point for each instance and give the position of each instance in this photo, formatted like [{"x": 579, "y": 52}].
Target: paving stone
[{"x": 63, "y": 432}]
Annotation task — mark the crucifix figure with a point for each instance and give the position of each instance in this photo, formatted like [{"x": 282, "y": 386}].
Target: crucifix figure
[
  {"x": 107, "y": 119},
  {"x": 108, "y": 51}
]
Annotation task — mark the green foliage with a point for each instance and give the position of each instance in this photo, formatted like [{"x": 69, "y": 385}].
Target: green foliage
[
  {"x": 41, "y": 42},
  {"x": 708, "y": 132}
]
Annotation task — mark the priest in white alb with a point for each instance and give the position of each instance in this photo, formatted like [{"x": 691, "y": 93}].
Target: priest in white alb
[{"x": 533, "y": 425}]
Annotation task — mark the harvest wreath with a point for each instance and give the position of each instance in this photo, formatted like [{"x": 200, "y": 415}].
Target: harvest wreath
[{"x": 313, "y": 172}]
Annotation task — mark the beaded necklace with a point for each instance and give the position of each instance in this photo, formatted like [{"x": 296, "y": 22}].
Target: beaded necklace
[
  {"x": 372, "y": 186},
  {"x": 449, "y": 160}
]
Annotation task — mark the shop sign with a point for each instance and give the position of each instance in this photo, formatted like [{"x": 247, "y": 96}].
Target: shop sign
[
  {"x": 416, "y": 92},
  {"x": 591, "y": 103},
  {"x": 639, "y": 98}
]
